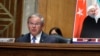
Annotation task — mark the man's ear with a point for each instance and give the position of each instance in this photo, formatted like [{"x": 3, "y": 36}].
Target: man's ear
[{"x": 42, "y": 24}]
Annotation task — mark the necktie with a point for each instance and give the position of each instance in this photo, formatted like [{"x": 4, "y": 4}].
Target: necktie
[{"x": 34, "y": 38}]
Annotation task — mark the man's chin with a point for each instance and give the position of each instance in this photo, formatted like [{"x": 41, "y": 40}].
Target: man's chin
[
  {"x": 34, "y": 34},
  {"x": 92, "y": 16}
]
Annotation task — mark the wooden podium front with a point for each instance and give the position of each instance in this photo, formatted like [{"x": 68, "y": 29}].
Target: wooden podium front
[{"x": 27, "y": 49}]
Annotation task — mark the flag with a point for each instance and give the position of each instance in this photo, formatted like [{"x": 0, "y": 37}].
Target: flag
[
  {"x": 97, "y": 4},
  {"x": 80, "y": 15}
]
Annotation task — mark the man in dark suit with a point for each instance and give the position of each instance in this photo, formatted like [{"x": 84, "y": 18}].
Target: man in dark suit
[
  {"x": 36, "y": 35},
  {"x": 91, "y": 24},
  {"x": 44, "y": 39}
]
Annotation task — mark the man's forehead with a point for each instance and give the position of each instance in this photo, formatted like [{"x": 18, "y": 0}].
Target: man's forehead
[{"x": 91, "y": 8}]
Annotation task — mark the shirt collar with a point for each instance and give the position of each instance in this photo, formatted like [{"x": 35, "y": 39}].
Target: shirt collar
[{"x": 37, "y": 37}]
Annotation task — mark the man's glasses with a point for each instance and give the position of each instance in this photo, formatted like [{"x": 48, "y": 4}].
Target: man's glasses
[{"x": 37, "y": 24}]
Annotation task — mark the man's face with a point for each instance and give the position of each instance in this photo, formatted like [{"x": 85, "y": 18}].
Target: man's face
[
  {"x": 92, "y": 12},
  {"x": 35, "y": 25}
]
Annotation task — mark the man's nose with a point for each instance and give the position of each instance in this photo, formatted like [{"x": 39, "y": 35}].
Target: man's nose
[{"x": 34, "y": 25}]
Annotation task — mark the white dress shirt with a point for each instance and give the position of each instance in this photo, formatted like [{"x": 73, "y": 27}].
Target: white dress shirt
[{"x": 37, "y": 38}]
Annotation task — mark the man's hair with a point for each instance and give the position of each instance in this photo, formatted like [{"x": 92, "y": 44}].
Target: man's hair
[
  {"x": 36, "y": 15},
  {"x": 91, "y": 7}
]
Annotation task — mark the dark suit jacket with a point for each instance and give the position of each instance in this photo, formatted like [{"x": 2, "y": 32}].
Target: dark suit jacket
[
  {"x": 90, "y": 28},
  {"x": 44, "y": 39}
]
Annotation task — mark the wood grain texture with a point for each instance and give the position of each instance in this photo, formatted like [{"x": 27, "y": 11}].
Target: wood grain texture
[
  {"x": 58, "y": 13},
  {"x": 27, "y": 49}
]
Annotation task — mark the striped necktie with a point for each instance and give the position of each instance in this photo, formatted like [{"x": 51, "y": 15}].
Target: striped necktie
[{"x": 34, "y": 38}]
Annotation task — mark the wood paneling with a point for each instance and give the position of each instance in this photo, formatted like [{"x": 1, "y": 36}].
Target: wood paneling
[
  {"x": 59, "y": 13},
  {"x": 42, "y": 9},
  {"x": 19, "y": 18},
  {"x": 10, "y": 18}
]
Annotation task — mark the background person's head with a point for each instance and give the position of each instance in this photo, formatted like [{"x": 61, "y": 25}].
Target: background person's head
[
  {"x": 54, "y": 31},
  {"x": 35, "y": 24},
  {"x": 91, "y": 11}
]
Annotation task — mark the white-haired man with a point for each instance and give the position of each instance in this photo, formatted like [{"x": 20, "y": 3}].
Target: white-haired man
[
  {"x": 91, "y": 25},
  {"x": 35, "y": 24}
]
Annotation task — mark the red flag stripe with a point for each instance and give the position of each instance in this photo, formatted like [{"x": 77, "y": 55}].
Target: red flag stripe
[{"x": 79, "y": 17}]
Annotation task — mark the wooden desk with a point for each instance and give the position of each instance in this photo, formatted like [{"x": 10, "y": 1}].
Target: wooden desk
[{"x": 27, "y": 49}]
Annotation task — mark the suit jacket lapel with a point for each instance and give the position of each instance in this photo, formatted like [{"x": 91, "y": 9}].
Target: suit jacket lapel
[
  {"x": 43, "y": 37},
  {"x": 27, "y": 38}
]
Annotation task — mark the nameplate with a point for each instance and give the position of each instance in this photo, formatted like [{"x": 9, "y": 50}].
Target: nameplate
[
  {"x": 86, "y": 40},
  {"x": 10, "y": 40}
]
